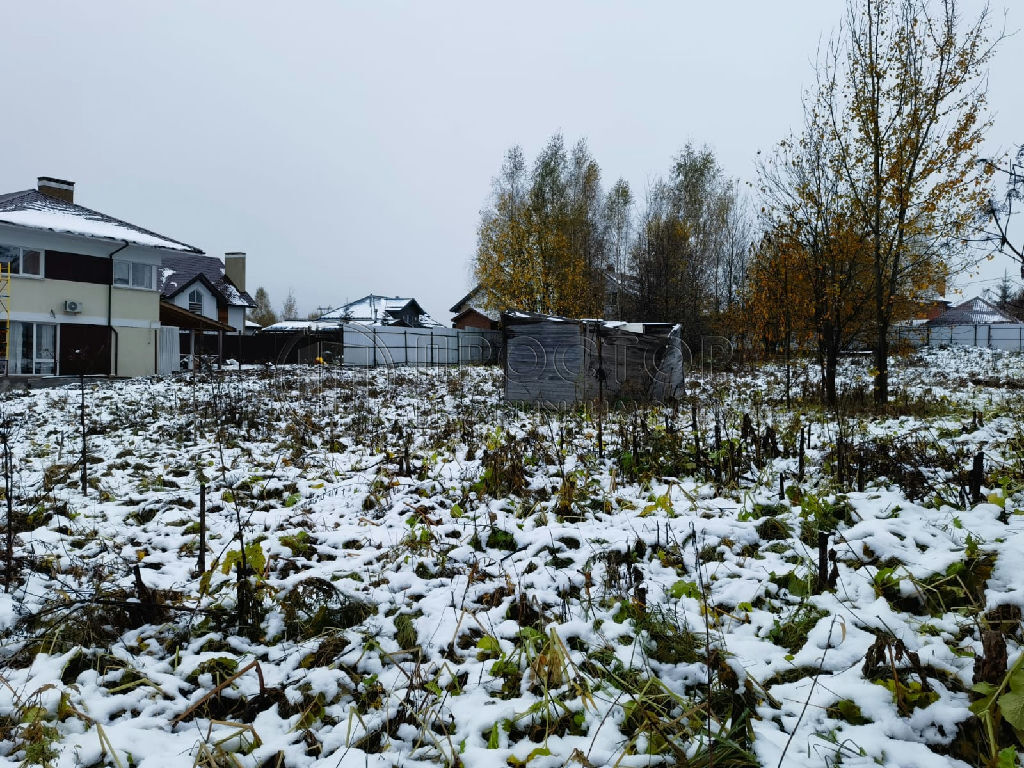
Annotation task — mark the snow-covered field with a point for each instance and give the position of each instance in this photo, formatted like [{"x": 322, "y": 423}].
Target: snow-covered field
[{"x": 403, "y": 570}]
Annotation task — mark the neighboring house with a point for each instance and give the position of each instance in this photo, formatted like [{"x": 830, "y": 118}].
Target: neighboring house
[
  {"x": 382, "y": 310},
  {"x": 976, "y": 311},
  {"x": 468, "y": 312},
  {"x": 208, "y": 287},
  {"x": 82, "y": 296},
  {"x": 930, "y": 303},
  {"x": 620, "y": 293}
]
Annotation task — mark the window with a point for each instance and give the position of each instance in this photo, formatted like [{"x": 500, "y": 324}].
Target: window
[
  {"x": 142, "y": 275},
  {"x": 195, "y": 301},
  {"x": 135, "y": 274},
  {"x": 122, "y": 272},
  {"x": 23, "y": 261},
  {"x": 33, "y": 348}
]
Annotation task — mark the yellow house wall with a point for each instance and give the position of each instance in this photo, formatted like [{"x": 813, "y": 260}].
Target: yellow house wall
[
  {"x": 136, "y": 351},
  {"x": 43, "y": 300}
]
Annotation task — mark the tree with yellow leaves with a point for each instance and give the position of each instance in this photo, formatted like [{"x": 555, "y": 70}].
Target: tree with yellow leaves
[
  {"x": 540, "y": 245},
  {"x": 807, "y": 216},
  {"x": 901, "y": 100}
]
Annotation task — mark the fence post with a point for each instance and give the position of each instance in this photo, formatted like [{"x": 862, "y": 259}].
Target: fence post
[
  {"x": 202, "y": 528},
  {"x": 431, "y": 348}
]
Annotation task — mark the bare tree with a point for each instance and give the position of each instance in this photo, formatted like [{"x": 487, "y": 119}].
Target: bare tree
[
  {"x": 290, "y": 308},
  {"x": 1000, "y": 212}
]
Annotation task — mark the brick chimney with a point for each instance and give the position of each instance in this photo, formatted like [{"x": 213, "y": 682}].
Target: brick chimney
[
  {"x": 58, "y": 188},
  {"x": 234, "y": 268}
]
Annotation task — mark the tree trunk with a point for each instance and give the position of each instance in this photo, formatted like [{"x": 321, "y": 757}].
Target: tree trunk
[
  {"x": 831, "y": 364},
  {"x": 881, "y": 383}
]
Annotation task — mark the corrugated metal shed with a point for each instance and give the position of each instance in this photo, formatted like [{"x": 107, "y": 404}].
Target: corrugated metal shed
[{"x": 557, "y": 361}]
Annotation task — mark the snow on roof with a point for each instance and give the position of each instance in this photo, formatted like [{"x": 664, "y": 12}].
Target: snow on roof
[
  {"x": 976, "y": 311},
  {"x": 287, "y": 326},
  {"x": 657, "y": 328},
  {"x": 181, "y": 269},
  {"x": 384, "y": 310},
  {"x": 490, "y": 314},
  {"x": 36, "y": 210}
]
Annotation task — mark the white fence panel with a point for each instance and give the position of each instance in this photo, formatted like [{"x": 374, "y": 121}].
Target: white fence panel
[
  {"x": 168, "y": 359},
  {"x": 1005, "y": 336}
]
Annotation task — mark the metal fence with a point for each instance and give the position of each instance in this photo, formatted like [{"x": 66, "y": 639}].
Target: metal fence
[
  {"x": 1005, "y": 336},
  {"x": 351, "y": 344},
  {"x": 373, "y": 345}
]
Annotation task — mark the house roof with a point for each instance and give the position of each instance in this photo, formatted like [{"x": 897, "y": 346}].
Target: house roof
[
  {"x": 976, "y": 311},
  {"x": 291, "y": 326},
  {"x": 465, "y": 304},
  {"x": 172, "y": 314},
  {"x": 34, "y": 210},
  {"x": 466, "y": 301},
  {"x": 491, "y": 315},
  {"x": 178, "y": 271},
  {"x": 381, "y": 310}
]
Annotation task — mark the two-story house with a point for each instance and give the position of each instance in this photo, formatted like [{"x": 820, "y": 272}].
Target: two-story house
[{"x": 79, "y": 289}]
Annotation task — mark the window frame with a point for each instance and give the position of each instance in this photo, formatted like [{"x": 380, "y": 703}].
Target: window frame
[
  {"x": 20, "y": 260},
  {"x": 192, "y": 304},
  {"x": 35, "y": 363},
  {"x": 131, "y": 267},
  {"x": 124, "y": 282}
]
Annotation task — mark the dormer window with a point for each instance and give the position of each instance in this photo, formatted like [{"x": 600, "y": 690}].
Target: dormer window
[{"x": 195, "y": 301}]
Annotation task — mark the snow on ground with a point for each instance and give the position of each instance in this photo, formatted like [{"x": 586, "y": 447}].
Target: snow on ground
[{"x": 401, "y": 569}]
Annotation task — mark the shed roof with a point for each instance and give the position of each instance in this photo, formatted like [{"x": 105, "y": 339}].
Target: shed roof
[{"x": 172, "y": 314}]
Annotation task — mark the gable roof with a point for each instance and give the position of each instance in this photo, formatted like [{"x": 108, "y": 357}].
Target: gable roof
[
  {"x": 466, "y": 305},
  {"x": 381, "y": 310},
  {"x": 181, "y": 270},
  {"x": 976, "y": 311},
  {"x": 466, "y": 301},
  {"x": 34, "y": 210}
]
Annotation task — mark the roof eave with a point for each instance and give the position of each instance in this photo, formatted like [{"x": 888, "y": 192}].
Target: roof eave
[{"x": 122, "y": 240}]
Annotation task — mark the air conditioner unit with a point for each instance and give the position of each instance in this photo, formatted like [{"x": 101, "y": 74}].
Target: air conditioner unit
[{"x": 73, "y": 306}]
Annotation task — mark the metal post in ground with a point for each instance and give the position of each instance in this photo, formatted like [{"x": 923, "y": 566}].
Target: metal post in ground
[
  {"x": 85, "y": 465},
  {"x": 202, "y": 528}
]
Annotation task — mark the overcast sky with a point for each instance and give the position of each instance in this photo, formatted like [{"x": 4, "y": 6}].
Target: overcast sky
[{"x": 349, "y": 147}]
